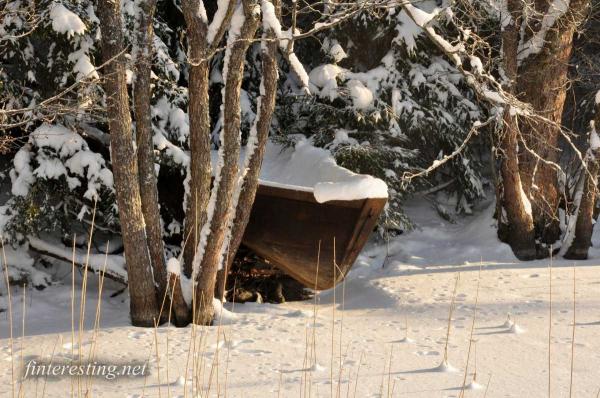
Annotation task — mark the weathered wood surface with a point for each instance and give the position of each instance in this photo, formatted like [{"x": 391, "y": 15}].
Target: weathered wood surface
[{"x": 286, "y": 227}]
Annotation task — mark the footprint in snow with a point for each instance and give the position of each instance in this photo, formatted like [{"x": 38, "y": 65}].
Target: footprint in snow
[
  {"x": 296, "y": 314},
  {"x": 231, "y": 344},
  {"x": 407, "y": 340},
  {"x": 256, "y": 353},
  {"x": 179, "y": 382},
  {"x": 137, "y": 335},
  {"x": 427, "y": 353},
  {"x": 75, "y": 346}
]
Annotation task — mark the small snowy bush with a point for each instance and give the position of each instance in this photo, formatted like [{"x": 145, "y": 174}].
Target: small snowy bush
[{"x": 56, "y": 179}]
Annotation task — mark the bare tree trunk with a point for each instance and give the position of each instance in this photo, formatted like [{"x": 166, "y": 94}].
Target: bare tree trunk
[
  {"x": 200, "y": 165},
  {"x": 518, "y": 212},
  {"x": 521, "y": 237},
  {"x": 147, "y": 177},
  {"x": 143, "y": 302},
  {"x": 262, "y": 125},
  {"x": 225, "y": 182},
  {"x": 543, "y": 80},
  {"x": 582, "y": 241},
  {"x": 199, "y": 173}
]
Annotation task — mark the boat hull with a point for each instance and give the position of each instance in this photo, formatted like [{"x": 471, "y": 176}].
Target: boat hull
[{"x": 315, "y": 243}]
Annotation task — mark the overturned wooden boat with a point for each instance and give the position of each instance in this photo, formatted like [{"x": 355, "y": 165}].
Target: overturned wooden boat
[
  {"x": 312, "y": 225},
  {"x": 287, "y": 227}
]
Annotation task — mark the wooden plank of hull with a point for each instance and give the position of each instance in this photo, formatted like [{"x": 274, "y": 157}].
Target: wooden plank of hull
[{"x": 286, "y": 227}]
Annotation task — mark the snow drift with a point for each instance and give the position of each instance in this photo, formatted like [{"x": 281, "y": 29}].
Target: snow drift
[{"x": 311, "y": 169}]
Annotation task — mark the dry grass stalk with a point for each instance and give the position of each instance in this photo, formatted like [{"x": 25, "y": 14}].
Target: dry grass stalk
[
  {"x": 450, "y": 311},
  {"x": 390, "y": 372},
  {"x": 573, "y": 335},
  {"x": 280, "y": 383},
  {"x": 333, "y": 322},
  {"x": 357, "y": 374},
  {"x": 51, "y": 359},
  {"x": 157, "y": 357},
  {"x": 21, "y": 387},
  {"x": 312, "y": 355},
  {"x": 73, "y": 311},
  {"x": 167, "y": 346},
  {"x": 383, "y": 374},
  {"x": 550, "y": 325},
  {"x": 95, "y": 332},
  {"x": 487, "y": 386},
  {"x": 83, "y": 298},
  {"x": 10, "y": 319},
  {"x": 462, "y": 390}
]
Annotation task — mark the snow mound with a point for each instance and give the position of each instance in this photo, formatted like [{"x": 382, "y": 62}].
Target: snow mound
[
  {"x": 222, "y": 315},
  {"x": 311, "y": 169},
  {"x": 446, "y": 367},
  {"x": 316, "y": 367},
  {"x": 179, "y": 382},
  {"x": 307, "y": 168},
  {"x": 473, "y": 386},
  {"x": 508, "y": 323},
  {"x": 516, "y": 329}
]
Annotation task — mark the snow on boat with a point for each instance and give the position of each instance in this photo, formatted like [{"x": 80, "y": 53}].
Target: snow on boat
[{"x": 306, "y": 201}]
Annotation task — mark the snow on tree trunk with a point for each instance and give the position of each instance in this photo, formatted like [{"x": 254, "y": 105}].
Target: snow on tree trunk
[
  {"x": 148, "y": 189},
  {"x": 514, "y": 201},
  {"x": 255, "y": 150},
  {"x": 579, "y": 238},
  {"x": 199, "y": 174},
  {"x": 143, "y": 301},
  {"x": 544, "y": 55},
  {"x": 213, "y": 234}
]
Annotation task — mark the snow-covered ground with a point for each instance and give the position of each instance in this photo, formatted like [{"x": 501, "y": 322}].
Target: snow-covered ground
[{"x": 263, "y": 350}]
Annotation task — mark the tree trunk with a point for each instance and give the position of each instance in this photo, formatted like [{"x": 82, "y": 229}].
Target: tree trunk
[
  {"x": 147, "y": 177},
  {"x": 582, "y": 241},
  {"x": 208, "y": 254},
  {"x": 521, "y": 234},
  {"x": 143, "y": 302},
  {"x": 199, "y": 174},
  {"x": 518, "y": 212},
  {"x": 543, "y": 81},
  {"x": 253, "y": 165}
]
